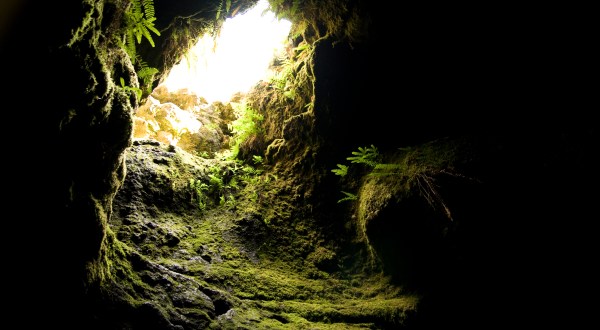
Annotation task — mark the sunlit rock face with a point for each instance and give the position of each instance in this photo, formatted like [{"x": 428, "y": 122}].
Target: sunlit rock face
[
  {"x": 164, "y": 122},
  {"x": 184, "y": 120}
]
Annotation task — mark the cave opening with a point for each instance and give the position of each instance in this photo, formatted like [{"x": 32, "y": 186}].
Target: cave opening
[
  {"x": 124, "y": 233},
  {"x": 235, "y": 59},
  {"x": 206, "y": 89}
]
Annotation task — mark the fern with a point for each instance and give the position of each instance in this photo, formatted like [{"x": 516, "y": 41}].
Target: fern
[
  {"x": 257, "y": 159},
  {"x": 198, "y": 188},
  {"x": 220, "y": 8},
  {"x": 246, "y": 124},
  {"x": 342, "y": 170},
  {"x": 139, "y": 20},
  {"x": 137, "y": 91},
  {"x": 349, "y": 197},
  {"x": 142, "y": 20},
  {"x": 146, "y": 74},
  {"x": 366, "y": 155}
]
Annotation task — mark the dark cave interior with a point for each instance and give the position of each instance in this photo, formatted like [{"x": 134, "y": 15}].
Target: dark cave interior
[{"x": 506, "y": 77}]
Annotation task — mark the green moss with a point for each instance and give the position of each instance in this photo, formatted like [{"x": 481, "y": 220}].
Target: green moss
[{"x": 264, "y": 254}]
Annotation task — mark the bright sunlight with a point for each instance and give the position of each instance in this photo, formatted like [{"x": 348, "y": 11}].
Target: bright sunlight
[{"x": 238, "y": 59}]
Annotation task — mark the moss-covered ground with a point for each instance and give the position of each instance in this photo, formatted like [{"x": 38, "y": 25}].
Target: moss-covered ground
[{"x": 244, "y": 243}]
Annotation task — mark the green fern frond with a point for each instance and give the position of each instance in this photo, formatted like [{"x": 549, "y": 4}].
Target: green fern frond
[
  {"x": 257, "y": 159},
  {"x": 146, "y": 74},
  {"x": 149, "y": 9},
  {"x": 141, "y": 19},
  {"x": 137, "y": 91},
  {"x": 366, "y": 155},
  {"x": 130, "y": 47},
  {"x": 219, "y": 9},
  {"x": 137, "y": 7},
  {"x": 342, "y": 170},
  {"x": 349, "y": 197}
]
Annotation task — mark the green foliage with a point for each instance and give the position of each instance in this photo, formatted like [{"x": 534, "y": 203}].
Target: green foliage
[
  {"x": 213, "y": 189},
  {"x": 367, "y": 155},
  {"x": 244, "y": 126},
  {"x": 199, "y": 188},
  {"x": 257, "y": 159},
  {"x": 415, "y": 168},
  {"x": 293, "y": 71},
  {"x": 228, "y": 201},
  {"x": 349, "y": 197},
  {"x": 315, "y": 19},
  {"x": 203, "y": 154},
  {"x": 216, "y": 183},
  {"x": 146, "y": 74},
  {"x": 270, "y": 177},
  {"x": 250, "y": 175},
  {"x": 137, "y": 91},
  {"x": 419, "y": 167},
  {"x": 342, "y": 170},
  {"x": 139, "y": 22},
  {"x": 220, "y": 8},
  {"x": 283, "y": 9}
]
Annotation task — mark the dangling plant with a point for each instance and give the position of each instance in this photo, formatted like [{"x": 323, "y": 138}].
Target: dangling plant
[
  {"x": 220, "y": 8},
  {"x": 140, "y": 22},
  {"x": 146, "y": 74}
]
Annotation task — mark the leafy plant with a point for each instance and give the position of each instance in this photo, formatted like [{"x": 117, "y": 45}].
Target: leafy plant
[
  {"x": 203, "y": 154},
  {"x": 250, "y": 174},
  {"x": 228, "y": 202},
  {"x": 137, "y": 91},
  {"x": 257, "y": 159},
  {"x": 140, "y": 22},
  {"x": 365, "y": 155},
  {"x": 270, "y": 177},
  {"x": 293, "y": 71},
  {"x": 198, "y": 188},
  {"x": 146, "y": 74},
  {"x": 220, "y": 8},
  {"x": 216, "y": 183},
  {"x": 349, "y": 197},
  {"x": 342, "y": 170},
  {"x": 244, "y": 126}
]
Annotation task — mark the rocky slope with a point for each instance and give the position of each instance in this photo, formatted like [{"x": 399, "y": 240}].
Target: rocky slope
[{"x": 212, "y": 258}]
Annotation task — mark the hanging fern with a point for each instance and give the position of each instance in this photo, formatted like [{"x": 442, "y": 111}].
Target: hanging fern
[
  {"x": 143, "y": 20},
  {"x": 140, "y": 22},
  {"x": 146, "y": 74},
  {"x": 220, "y": 8}
]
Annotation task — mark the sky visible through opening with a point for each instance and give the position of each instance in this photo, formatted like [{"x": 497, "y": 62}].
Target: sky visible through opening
[{"x": 237, "y": 61}]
